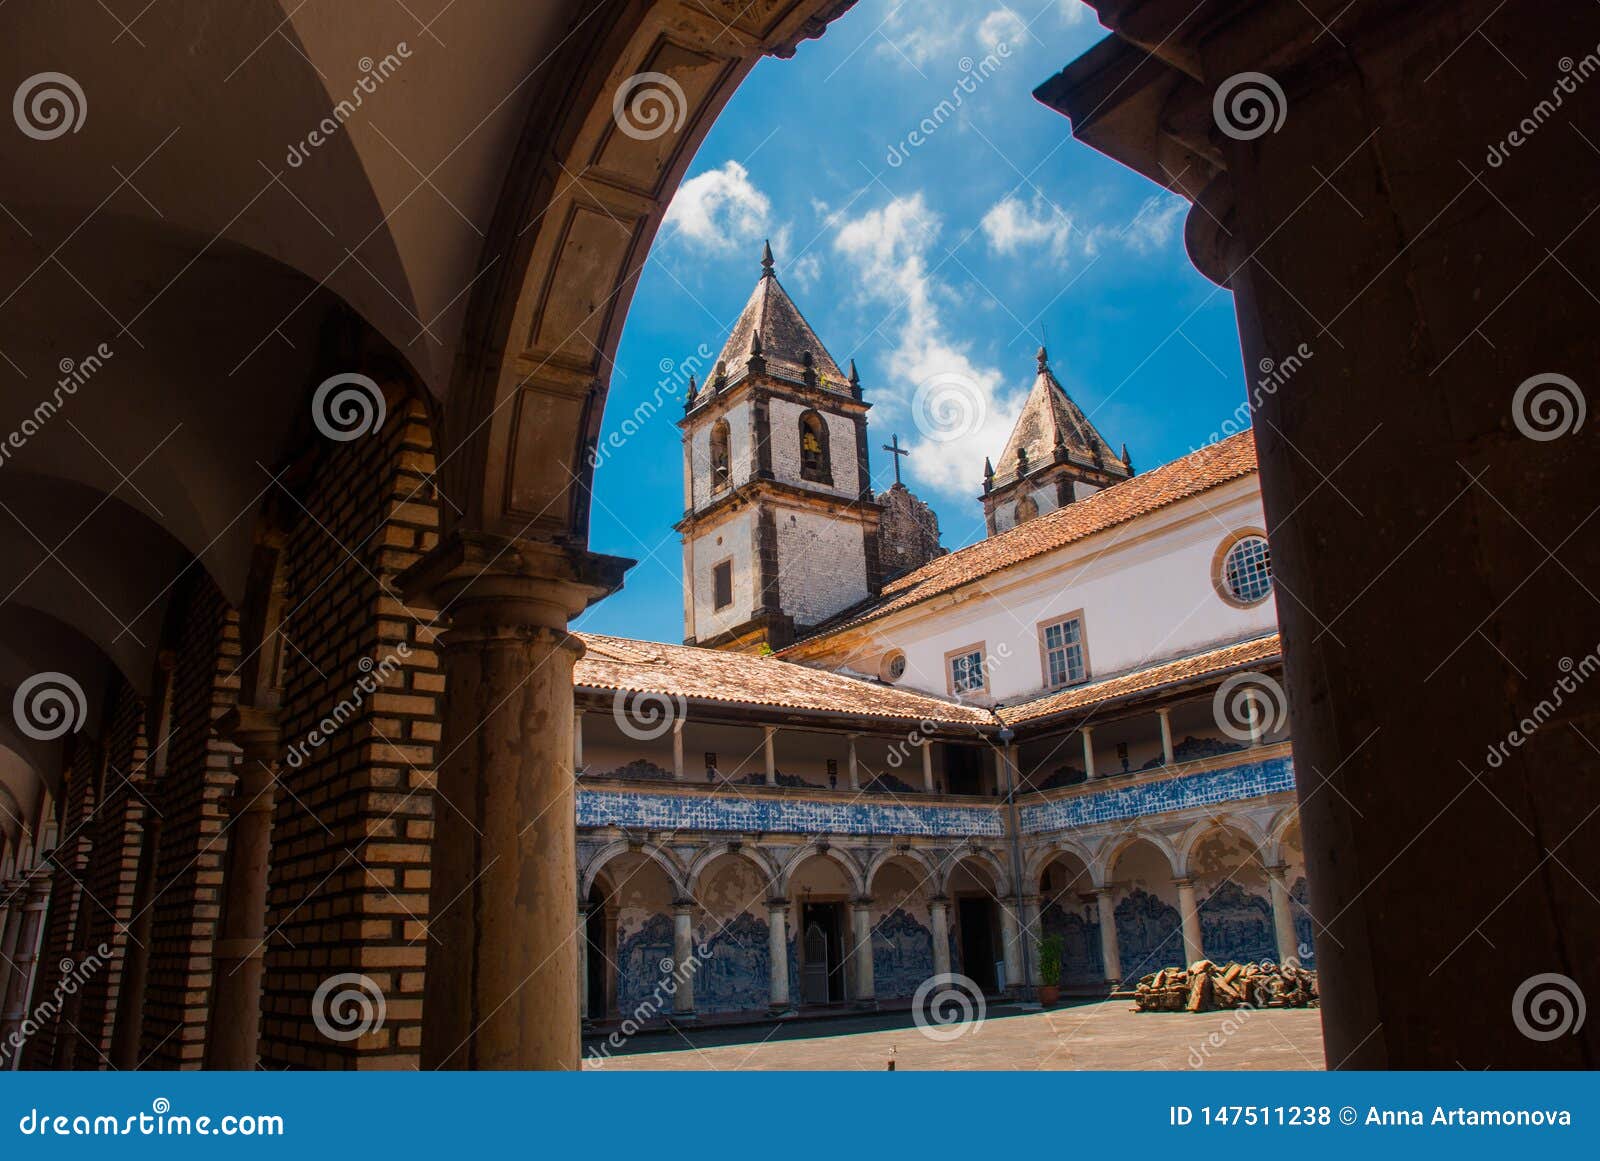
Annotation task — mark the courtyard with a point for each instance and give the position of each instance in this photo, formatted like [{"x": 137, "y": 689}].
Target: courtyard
[{"x": 1101, "y": 1035}]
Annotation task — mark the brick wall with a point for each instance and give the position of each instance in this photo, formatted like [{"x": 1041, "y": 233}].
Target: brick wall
[
  {"x": 348, "y": 891},
  {"x": 197, "y": 775}
]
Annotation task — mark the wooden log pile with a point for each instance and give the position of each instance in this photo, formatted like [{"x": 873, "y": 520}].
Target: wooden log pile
[{"x": 1210, "y": 987}]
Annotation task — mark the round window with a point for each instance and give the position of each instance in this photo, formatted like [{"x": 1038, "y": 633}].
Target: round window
[
  {"x": 894, "y": 666},
  {"x": 1247, "y": 570}
]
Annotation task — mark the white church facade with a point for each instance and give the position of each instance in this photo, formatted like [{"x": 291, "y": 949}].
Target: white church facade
[{"x": 873, "y": 762}]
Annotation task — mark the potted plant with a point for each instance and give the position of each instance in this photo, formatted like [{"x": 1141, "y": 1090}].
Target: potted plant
[{"x": 1050, "y": 948}]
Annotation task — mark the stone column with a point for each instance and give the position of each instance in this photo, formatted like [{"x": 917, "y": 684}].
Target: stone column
[
  {"x": 1088, "y": 752},
  {"x": 10, "y": 930},
  {"x": 939, "y": 918},
  {"x": 684, "y": 963},
  {"x": 861, "y": 953},
  {"x": 1193, "y": 945},
  {"x": 770, "y": 745},
  {"x": 855, "y": 771},
  {"x": 1010, "y": 945},
  {"x": 583, "y": 961},
  {"x": 677, "y": 748},
  {"x": 1031, "y": 935},
  {"x": 778, "y": 957},
  {"x": 1166, "y": 736},
  {"x": 30, "y": 941},
  {"x": 577, "y": 742},
  {"x": 1110, "y": 953},
  {"x": 240, "y": 952},
  {"x": 128, "y": 1032},
  {"x": 927, "y": 766},
  {"x": 502, "y": 974},
  {"x": 1283, "y": 914}
]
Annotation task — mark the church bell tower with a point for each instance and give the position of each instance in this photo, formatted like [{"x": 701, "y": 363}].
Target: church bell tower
[{"x": 780, "y": 528}]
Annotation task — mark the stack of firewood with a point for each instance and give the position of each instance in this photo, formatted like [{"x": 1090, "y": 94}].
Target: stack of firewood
[{"x": 1208, "y": 987}]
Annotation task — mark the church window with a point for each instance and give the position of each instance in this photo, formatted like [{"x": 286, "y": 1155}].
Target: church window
[
  {"x": 720, "y": 469},
  {"x": 722, "y": 585},
  {"x": 1245, "y": 573},
  {"x": 1027, "y": 508},
  {"x": 814, "y": 461},
  {"x": 1065, "y": 661},
  {"x": 894, "y": 666},
  {"x": 966, "y": 670}
]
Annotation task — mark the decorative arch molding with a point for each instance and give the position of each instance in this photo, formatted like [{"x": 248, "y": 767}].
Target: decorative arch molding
[
  {"x": 581, "y": 204},
  {"x": 751, "y": 854},
  {"x": 1113, "y": 851},
  {"x": 846, "y": 861},
  {"x": 606, "y": 854},
  {"x": 1041, "y": 858},
  {"x": 1002, "y": 881},
  {"x": 930, "y": 869},
  {"x": 1240, "y": 825},
  {"x": 1277, "y": 832}
]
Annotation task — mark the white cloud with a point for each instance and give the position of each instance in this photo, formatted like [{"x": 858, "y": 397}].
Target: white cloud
[
  {"x": 1158, "y": 220},
  {"x": 931, "y": 376},
  {"x": 1013, "y": 226},
  {"x": 1002, "y": 26},
  {"x": 1077, "y": 12},
  {"x": 720, "y": 210}
]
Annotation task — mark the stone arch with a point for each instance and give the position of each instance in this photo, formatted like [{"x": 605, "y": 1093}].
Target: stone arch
[
  {"x": 542, "y": 327},
  {"x": 655, "y": 854},
  {"x": 1041, "y": 858},
  {"x": 986, "y": 859},
  {"x": 1243, "y": 827},
  {"x": 816, "y": 455},
  {"x": 846, "y": 862},
  {"x": 1273, "y": 850},
  {"x": 927, "y": 870},
  {"x": 714, "y": 851},
  {"x": 1114, "y": 850}
]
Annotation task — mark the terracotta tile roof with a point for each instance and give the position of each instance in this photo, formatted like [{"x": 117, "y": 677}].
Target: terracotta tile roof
[
  {"x": 712, "y": 675},
  {"x": 1196, "y": 472},
  {"x": 1257, "y": 651}
]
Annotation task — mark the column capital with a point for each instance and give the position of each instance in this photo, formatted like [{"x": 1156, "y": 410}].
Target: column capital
[
  {"x": 256, "y": 730},
  {"x": 1182, "y": 882},
  {"x": 776, "y": 904},
  {"x": 486, "y": 580},
  {"x": 683, "y": 905},
  {"x": 1277, "y": 870},
  {"x": 938, "y": 900},
  {"x": 861, "y": 902}
]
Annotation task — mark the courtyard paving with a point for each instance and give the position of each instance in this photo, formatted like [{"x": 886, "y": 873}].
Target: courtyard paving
[{"x": 1102, "y": 1035}]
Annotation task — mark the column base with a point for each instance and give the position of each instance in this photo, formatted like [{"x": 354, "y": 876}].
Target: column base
[
  {"x": 865, "y": 1005},
  {"x": 781, "y": 1013},
  {"x": 690, "y": 1017}
]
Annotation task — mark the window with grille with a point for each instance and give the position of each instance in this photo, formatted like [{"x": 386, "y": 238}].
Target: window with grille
[
  {"x": 722, "y": 585},
  {"x": 1247, "y": 570},
  {"x": 1064, "y": 660},
  {"x": 966, "y": 672}
]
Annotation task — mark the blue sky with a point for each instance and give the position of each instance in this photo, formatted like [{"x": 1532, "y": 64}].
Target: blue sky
[{"x": 932, "y": 263}]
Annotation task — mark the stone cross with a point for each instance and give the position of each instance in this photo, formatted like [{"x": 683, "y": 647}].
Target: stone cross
[{"x": 893, "y": 448}]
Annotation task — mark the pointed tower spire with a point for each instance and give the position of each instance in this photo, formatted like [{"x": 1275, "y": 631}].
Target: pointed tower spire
[
  {"x": 1127, "y": 460},
  {"x": 1044, "y": 360},
  {"x": 988, "y": 474},
  {"x": 766, "y": 259},
  {"x": 688, "y": 404},
  {"x": 855, "y": 380}
]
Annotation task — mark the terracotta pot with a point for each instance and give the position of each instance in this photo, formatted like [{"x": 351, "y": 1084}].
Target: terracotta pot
[{"x": 1049, "y": 994}]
